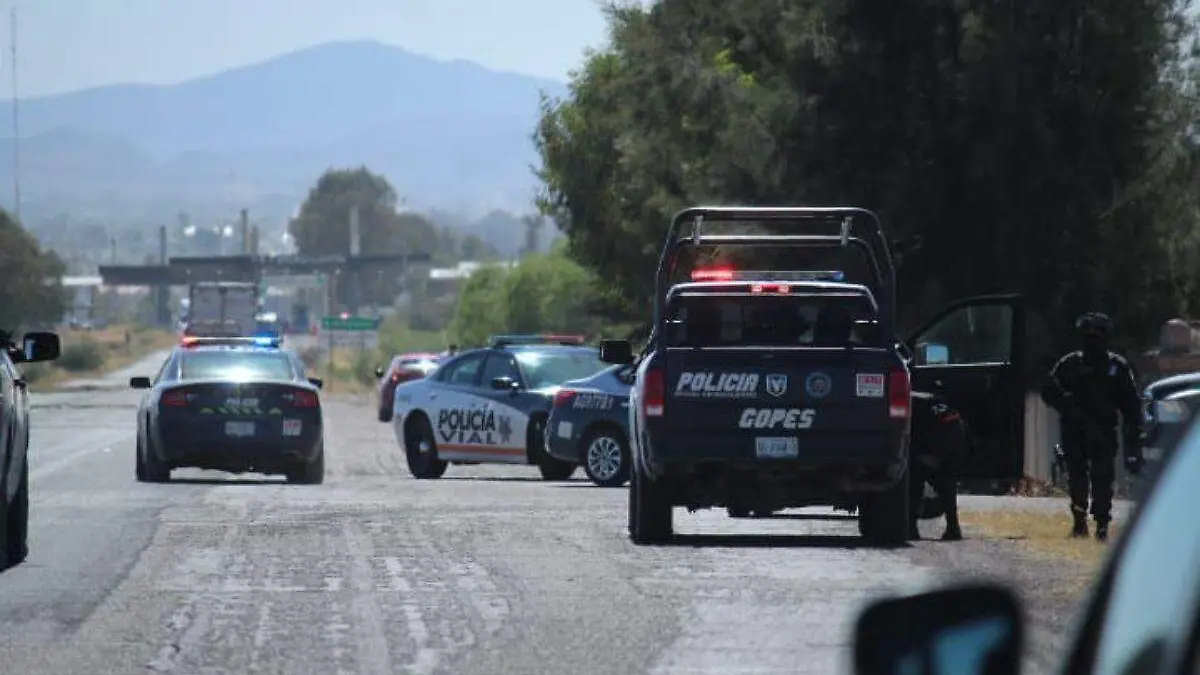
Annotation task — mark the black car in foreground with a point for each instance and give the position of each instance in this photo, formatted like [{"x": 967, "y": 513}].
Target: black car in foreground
[
  {"x": 230, "y": 405},
  {"x": 14, "y": 440}
]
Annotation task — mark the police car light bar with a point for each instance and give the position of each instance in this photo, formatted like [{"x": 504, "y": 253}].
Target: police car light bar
[
  {"x": 505, "y": 340},
  {"x": 725, "y": 273},
  {"x": 256, "y": 340}
]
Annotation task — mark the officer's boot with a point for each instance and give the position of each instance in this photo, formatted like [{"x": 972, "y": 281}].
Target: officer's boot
[
  {"x": 1101, "y": 530},
  {"x": 1080, "y": 528},
  {"x": 953, "y": 530}
]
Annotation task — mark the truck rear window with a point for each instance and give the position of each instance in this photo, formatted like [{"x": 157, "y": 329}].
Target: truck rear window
[{"x": 770, "y": 320}]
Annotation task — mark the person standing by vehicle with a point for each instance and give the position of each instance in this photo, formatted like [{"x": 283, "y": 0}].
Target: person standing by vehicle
[
  {"x": 1088, "y": 387},
  {"x": 453, "y": 349}
]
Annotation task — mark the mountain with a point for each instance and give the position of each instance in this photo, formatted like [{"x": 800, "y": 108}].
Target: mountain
[{"x": 447, "y": 134}]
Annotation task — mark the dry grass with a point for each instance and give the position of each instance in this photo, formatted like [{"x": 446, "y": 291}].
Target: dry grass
[
  {"x": 1044, "y": 534},
  {"x": 110, "y": 347}
]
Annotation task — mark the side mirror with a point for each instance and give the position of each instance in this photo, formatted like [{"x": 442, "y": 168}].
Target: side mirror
[
  {"x": 140, "y": 383},
  {"x": 972, "y": 630},
  {"x": 933, "y": 354},
  {"x": 618, "y": 352},
  {"x": 40, "y": 347},
  {"x": 316, "y": 382},
  {"x": 379, "y": 371},
  {"x": 505, "y": 383}
]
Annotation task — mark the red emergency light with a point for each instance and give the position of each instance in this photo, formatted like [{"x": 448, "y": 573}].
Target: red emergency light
[{"x": 720, "y": 273}]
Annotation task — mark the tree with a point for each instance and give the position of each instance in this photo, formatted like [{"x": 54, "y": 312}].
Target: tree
[
  {"x": 544, "y": 293},
  {"x": 1040, "y": 147},
  {"x": 323, "y": 226},
  {"x": 31, "y": 292}
]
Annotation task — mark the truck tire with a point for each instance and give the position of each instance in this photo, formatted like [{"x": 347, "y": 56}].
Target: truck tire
[
  {"x": 883, "y": 517},
  {"x": 650, "y": 510}
]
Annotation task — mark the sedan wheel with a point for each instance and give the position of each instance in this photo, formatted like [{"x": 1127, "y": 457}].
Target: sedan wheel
[{"x": 606, "y": 459}]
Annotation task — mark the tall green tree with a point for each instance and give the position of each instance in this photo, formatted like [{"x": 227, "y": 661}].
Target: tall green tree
[
  {"x": 31, "y": 291},
  {"x": 323, "y": 228},
  {"x": 1041, "y": 147}
]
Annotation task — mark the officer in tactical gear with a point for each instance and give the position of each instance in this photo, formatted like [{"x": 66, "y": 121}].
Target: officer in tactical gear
[
  {"x": 1088, "y": 387},
  {"x": 940, "y": 443}
]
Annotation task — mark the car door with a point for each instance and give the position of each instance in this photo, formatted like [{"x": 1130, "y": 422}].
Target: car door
[
  {"x": 457, "y": 410},
  {"x": 509, "y": 408},
  {"x": 20, "y": 426},
  {"x": 972, "y": 352}
]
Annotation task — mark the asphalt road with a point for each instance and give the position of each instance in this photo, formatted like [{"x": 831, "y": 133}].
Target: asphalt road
[{"x": 487, "y": 571}]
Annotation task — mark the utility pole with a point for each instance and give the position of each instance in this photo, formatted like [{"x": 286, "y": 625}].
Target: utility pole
[
  {"x": 244, "y": 223},
  {"x": 16, "y": 123}
]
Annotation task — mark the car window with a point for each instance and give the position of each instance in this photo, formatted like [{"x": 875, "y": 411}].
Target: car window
[
  {"x": 768, "y": 320},
  {"x": 465, "y": 371},
  {"x": 1153, "y": 597},
  {"x": 167, "y": 370},
  {"x": 236, "y": 366},
  {"x": 500, "y": 365},
  {"x": 971, "y": 334},
  {"x": 544, "y": 368}
]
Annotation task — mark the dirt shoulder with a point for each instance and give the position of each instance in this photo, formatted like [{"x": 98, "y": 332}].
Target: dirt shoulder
[{"x": 1023, "y": 543}]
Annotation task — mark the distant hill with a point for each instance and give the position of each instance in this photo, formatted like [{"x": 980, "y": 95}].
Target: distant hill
[{"x": 450, "y": 135}]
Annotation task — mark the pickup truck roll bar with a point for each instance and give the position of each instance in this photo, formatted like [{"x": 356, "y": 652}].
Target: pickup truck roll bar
[{"x": 822, "y": 227}]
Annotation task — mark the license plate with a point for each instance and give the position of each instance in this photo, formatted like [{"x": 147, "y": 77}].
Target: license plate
[
  {"x": 239, "y": 429},
  {"x": 777, "y": 448},
  {"x": 291, "y": 427}
]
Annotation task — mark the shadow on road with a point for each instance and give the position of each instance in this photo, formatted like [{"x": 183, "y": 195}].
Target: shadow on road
[
  {"x": 497, "y": 479},
  {"x": 229, "y": 481},
  {"x": 808, "y": 516},
  {"x": 773, "y": 541}
]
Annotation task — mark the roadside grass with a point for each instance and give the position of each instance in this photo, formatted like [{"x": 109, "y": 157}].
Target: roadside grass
[
  {"x": 87, "y": 354},
  {"x": 1046, "y": 535},
  {"x": 352, "y": 371}
]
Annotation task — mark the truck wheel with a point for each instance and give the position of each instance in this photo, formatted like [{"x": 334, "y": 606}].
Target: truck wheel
[
  {"x": 650, "y": 512},
  {"x": 420, "y": 449},
  {"x": 884, "y": 516}
]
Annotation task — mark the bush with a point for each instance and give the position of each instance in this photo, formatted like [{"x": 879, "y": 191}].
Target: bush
[{"x": 81, "y": 356}]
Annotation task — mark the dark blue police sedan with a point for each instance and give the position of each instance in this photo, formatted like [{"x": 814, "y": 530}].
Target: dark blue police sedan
[
  {"x": 589, "y": 425},
  {"x": 230, "y": 404}
]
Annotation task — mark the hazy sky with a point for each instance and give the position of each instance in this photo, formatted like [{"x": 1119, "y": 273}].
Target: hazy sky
[{"x": 65, "y": 45}]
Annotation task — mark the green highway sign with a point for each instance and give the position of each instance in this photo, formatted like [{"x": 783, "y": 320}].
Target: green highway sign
[{"x": 353, "y": 323}]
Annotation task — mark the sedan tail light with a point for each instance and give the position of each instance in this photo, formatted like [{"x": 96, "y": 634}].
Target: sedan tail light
[
  {"x": 303, "y": 398},
  {"x": 176, "y": 398},
  {"x": 563, "y": 397}
]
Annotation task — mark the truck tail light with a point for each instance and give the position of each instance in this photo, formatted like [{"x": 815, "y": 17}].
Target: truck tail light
[
  {"x": 654, "y": 393},
  {"x": 899, "y": 394}
]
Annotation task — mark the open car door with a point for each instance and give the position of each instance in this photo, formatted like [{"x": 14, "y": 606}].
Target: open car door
[{"x": 971, "y": 351}]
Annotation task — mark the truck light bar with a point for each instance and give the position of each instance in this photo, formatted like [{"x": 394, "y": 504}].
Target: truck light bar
[
  {"x": 550, "y": 339},
  {"x": 727, "y": 273}
]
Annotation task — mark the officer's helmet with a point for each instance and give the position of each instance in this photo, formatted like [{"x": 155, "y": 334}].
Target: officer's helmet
[{"x": 1094, "y": 324}]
